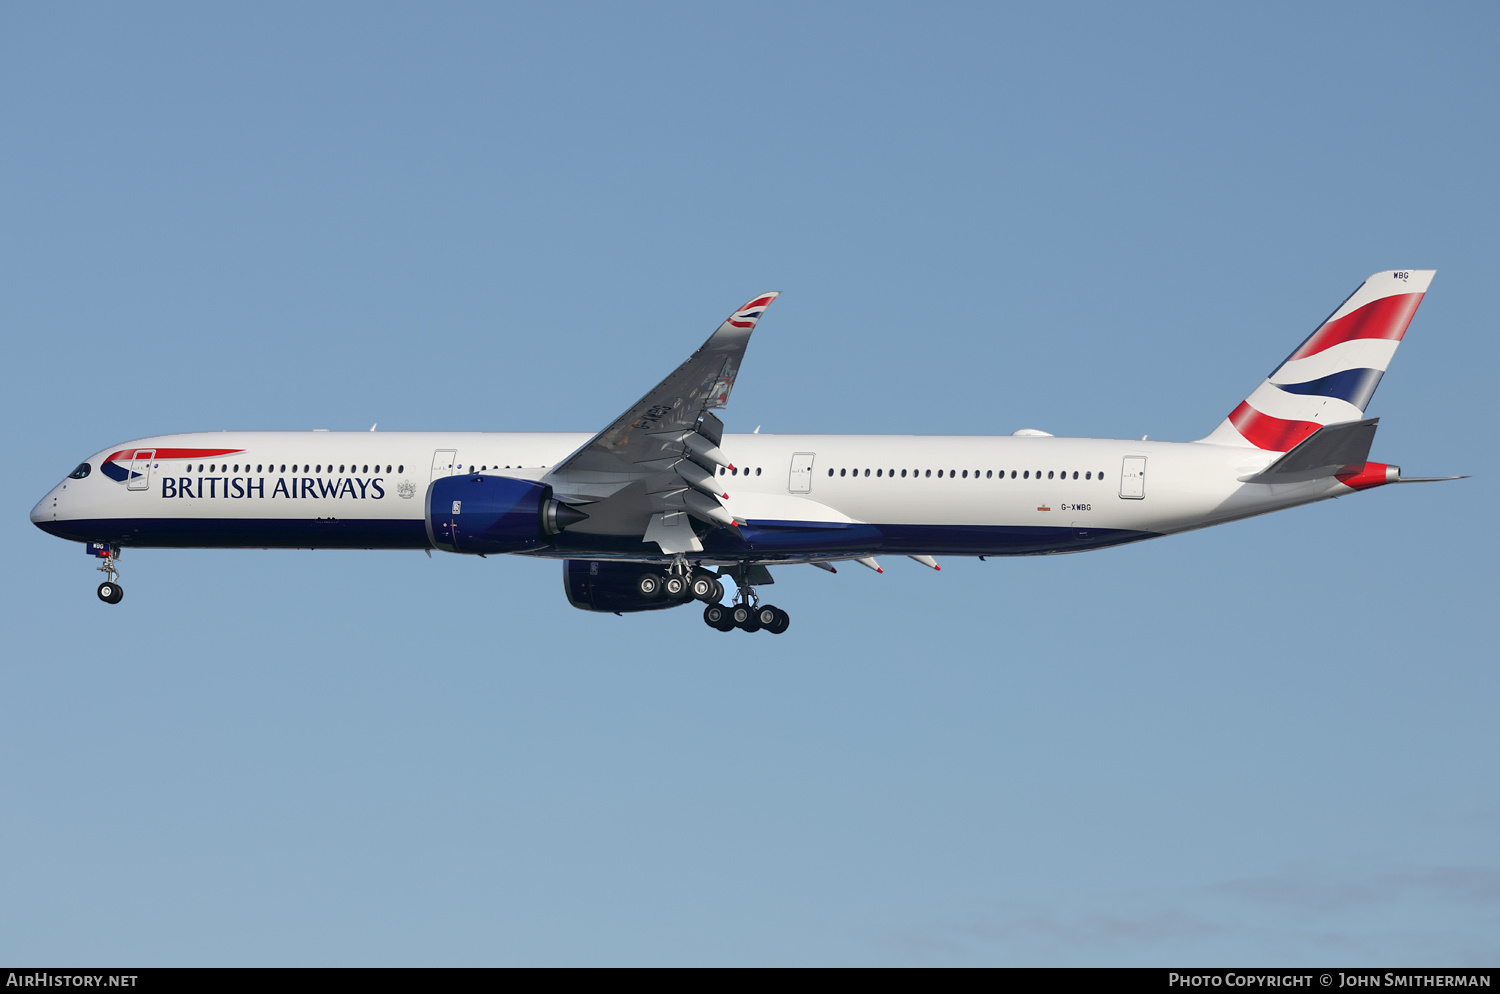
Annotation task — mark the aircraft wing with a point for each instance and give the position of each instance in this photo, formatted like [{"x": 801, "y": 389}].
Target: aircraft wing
[{"x": 661, "y": 438}]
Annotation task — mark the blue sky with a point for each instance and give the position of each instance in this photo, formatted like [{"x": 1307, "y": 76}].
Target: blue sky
[{"x": 1271, "y": 742}]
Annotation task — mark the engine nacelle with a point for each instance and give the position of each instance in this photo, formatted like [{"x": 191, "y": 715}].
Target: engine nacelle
[
  {"x": 603, "y": 585},
  {"x": 482, "y": 514}
]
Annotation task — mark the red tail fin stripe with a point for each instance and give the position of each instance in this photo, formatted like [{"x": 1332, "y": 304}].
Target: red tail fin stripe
[
  {"x": 1266, "y": 432},
  {"x": 1385, "y": 318}
]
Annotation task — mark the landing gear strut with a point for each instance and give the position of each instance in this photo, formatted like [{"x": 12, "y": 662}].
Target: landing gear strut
[{"x": 110, "y": 591}]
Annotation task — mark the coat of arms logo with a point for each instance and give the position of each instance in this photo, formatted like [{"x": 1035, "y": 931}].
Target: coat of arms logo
[{"x": 406, "y": 489}]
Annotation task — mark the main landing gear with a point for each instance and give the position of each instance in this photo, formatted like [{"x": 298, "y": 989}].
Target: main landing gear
[
  {"x": 683, "y": 582},
  {"x": 747, "y": 618},
  {"x": 746, "y": 613},
  {"x": 110, "y": 591}
]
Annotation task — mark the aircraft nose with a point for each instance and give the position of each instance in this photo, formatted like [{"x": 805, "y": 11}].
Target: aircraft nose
[{"x": 45, "y": 511}]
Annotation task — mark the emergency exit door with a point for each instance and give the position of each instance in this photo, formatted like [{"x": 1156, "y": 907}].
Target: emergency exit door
[
  {"x": 444, "y": 462},
  {"x": 1133, "y": 478},
  {"x": 140, "y": 470},
  {"x": 800, "y": 480}
]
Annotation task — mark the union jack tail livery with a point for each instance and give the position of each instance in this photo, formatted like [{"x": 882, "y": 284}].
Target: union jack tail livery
[
  {"x": 1330, "y": 378},
  {"x": 746, "y": 316}
]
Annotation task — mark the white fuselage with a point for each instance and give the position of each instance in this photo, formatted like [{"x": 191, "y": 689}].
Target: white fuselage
[{"x": 973, "y": 495}]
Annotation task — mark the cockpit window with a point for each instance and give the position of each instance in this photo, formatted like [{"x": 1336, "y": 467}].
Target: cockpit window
[{"x": 84, "y": 469}]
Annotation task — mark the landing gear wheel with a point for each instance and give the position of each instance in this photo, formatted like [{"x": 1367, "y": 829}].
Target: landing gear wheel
[
  {"x": 772, "y": 619},
  {"x": 718, "y": 616},
  {"x": 706, "y": 588},
  {"x": 110, "y": 593},
  {"x": 746, "y": 618},
  {"x": 718, "y": 591},
  {"x": 676, "y": 588},
  {"x": 648, "y": 584}
]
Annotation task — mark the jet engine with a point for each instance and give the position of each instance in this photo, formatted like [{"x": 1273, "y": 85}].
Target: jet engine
[
  {"x": 602, "y": 585},
  {"x": 481, "y": 514}
]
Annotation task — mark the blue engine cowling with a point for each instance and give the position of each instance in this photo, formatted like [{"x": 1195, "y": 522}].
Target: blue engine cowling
[
  {"x": 482, "y": 514},
  {"x": 602, "y": 585}
]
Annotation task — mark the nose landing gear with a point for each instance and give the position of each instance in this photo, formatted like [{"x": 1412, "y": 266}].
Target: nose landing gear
[{"x": 110, "y": 591}]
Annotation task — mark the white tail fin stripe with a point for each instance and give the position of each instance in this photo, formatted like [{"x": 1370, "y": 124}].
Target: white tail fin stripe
[
  {"x": 1362, "y": 353},
  {"x": 1272, "y": 400},
  {"x": 1386, "y": 284}
]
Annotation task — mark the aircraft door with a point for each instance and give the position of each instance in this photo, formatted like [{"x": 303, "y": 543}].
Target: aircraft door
[
  {"x": 140, "y": 470},
  {"x": 800, "y": 479},
  {"x": 444, "y": 463},
  {"x": 1133, "y": 478}
]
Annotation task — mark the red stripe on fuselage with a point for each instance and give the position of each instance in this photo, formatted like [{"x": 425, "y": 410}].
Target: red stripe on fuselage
[
  {"x": 1385, "y": 318},
  {"x": 1266, "y": 432},
  {"x": 174, "y": 453}
]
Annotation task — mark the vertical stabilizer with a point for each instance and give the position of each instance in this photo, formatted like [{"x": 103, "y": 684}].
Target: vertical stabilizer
[{"x": 1330, "y": 377}]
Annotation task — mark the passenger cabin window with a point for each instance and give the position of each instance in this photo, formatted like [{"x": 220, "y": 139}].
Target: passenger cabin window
[{"x": 84, "y": 469}]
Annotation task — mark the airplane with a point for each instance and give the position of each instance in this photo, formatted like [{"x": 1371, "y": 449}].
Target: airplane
[{"x": 662, "y": 508}]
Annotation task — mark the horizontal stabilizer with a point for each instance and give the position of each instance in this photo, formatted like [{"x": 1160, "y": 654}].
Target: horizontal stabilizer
[{"x": 1329, "y": 451}]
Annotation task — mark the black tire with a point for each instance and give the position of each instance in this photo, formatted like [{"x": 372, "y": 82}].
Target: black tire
[
  {"x": 676, "y": 588},
  {"x": 783, "y": 621},
  {"x": 703, "y": 588},
  {"x": 649, "y": 585},
  {"x": 718, "y": 591},
  {"x": 768, "y": 616},
  {"x": 745, "y": 618},
  {"x": 717, "y": 616},
  {"x": 110, "y": 593}
]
